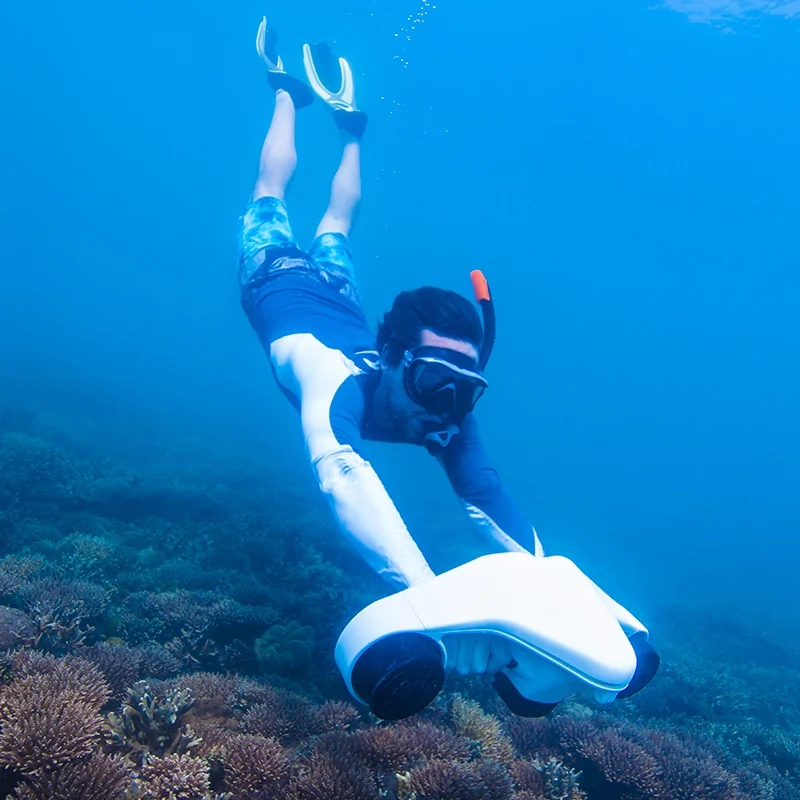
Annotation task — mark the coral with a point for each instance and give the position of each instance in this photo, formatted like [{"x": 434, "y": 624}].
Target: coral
[
  {"x": 84, "y": 557},
  {"x": 149, "y": 721},
  {"x": 455, "y": 780},
  {"x": 31, "y": 470},
  {"x": 560, "y": 781},
  {"x": 157, "y": 662},
  {"x": 50, "y": 718},
  {"x": 16, "y": 571},
  {"x": 527, "y": 776},
  {"x": 337, "y": 716},
  {"x": 120, "y": 665},
  {"x": 255, "y": 767},
  {"x": 194, "y": 626},
  {"x": 61, "y": 612},
  {"x": 15, "y": 627},
  {"x": 279, "y": 713},
  {"x": 285, "y": 649},
  {"x": 96, "y": 778},
  {"x": 470, "y": 720},
  {"x": 620, "y": 758},
  {"x": 325, "y": 776},
  {"x": 174, "y": 777},
  {"x": 398, "y": 747},
  {"x": 64, "y": 674}
]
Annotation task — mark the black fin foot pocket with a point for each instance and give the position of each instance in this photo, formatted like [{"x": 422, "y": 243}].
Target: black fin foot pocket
[
  {"x": 400, "y": 675},
  {"x": 354, "y": 122},
  {"x": 301, "y": 93},
  {"x": 516, "y": 702}
]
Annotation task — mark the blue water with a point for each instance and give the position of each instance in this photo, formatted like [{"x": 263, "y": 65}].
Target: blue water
[{"x": 627, "y": 176}]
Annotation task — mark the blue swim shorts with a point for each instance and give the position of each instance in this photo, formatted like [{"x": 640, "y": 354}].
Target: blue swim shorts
[{"x": 268, "y": 249}]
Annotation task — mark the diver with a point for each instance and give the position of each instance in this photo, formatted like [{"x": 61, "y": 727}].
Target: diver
[{"x": 416, "y": 380}]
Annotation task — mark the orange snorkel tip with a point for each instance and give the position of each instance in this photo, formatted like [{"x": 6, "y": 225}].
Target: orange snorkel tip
[
  {"x": 482, "y": 294},
  {"x": 480, "y": 286}
]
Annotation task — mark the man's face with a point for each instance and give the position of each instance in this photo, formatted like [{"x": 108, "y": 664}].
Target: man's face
[{"x": 393, "y": 407}]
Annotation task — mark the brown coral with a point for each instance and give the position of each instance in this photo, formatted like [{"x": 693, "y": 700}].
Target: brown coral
[
  {"x": 98, "y": 778},
  {"x": 284, "y": 715},
  {"x": 457, "y": 781},
  {"x": 255, "y": 767},
  {"x": 470, "y": 720},
  {"x": 398, "y": 747},
  {"x": 325, "y": 776},
  {"x": 50, "y": 718},
  {"x": 174, "y": 778},
  {"x": 119, "y": 664}
]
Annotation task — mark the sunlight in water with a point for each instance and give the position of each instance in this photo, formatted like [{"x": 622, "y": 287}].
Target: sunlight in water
[{"x": 716, "y": 10}]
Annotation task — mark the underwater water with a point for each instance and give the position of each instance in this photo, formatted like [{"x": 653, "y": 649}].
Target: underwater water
[{"x": 171, "y": 582}]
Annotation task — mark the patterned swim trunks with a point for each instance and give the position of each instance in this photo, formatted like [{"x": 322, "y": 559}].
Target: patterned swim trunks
[{"x": 268, "y": 249}]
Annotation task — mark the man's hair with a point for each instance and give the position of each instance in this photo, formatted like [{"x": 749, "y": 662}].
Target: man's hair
[{"x": 444, "y": 312}]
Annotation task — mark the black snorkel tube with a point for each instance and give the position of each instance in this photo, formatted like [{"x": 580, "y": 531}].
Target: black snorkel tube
[{"x": 484, "y": 298}]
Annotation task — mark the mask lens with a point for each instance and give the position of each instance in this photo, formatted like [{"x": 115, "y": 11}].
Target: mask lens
[{"x": 441, "y": 389}]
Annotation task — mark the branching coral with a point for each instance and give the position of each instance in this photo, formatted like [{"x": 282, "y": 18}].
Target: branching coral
[
  {"x": 96, "y": 778},
  {"x": 16, "y": 571},
  {"x": 149, "y": 721},
  {"x": 120, "y": 665},
  {"x": 325, "y": 776},
  {"x": 62, "y": 612},
  {"x": 255, "y": 767},
  {"x": 63, "y": 674},
  {"x": 627, "y": 759},
  {"x": 470, "y": 720},
  {"x": 84, "y": 557},
  {"x": 174, "y": 777},
  {"x": 437, "y": 779},
  {"x": 158, "y": 662},
  {"x": 398, "y": 747},
  {"x": 50, "y": 726}
]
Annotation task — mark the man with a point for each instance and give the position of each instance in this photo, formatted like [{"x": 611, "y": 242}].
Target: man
[{"x": 417, "y": 381}]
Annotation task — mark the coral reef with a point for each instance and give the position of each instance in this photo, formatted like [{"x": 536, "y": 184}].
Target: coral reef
[{"x": 169, "y": 634}]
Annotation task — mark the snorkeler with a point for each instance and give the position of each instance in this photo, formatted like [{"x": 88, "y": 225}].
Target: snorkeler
[{"x": 416, "y": 381}]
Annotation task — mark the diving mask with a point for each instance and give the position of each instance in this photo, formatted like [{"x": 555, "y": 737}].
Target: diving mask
[{"x": 443, "y": 381}]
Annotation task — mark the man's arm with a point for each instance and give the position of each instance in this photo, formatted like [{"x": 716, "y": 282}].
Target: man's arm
[
  {"x": 322, "y": 384},
  {"x": 493, "y": 511}
]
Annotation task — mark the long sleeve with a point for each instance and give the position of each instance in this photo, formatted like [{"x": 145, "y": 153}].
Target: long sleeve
[
  {"x": 493, "y": 511},
  {"x": 322, "y": 384}
]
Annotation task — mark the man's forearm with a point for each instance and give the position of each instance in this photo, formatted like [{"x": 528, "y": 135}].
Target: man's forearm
[{"x": 369, "y": 519}]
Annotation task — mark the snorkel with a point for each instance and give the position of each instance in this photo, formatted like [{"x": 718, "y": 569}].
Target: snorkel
[{"x": 436, "y": 441}]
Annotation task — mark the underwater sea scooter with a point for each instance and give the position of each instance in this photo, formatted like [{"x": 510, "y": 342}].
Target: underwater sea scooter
[{"x": 537, "y": 624}]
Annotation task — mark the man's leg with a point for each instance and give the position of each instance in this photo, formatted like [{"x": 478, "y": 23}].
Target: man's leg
[
  {"x": 265, "y": 223},
  {"x": 278, "y": 154},
  {"x": 345, "y": 190}
]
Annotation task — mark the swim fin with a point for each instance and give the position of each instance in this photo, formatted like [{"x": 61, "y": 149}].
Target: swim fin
[
  {"x": 266, "y": 47},
  {"x": 323, "y": 69}
]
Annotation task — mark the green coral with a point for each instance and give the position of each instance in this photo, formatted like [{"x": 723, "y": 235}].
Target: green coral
[{"x": 285, "y": 649}]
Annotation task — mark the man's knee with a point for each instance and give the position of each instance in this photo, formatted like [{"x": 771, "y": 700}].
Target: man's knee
[{"x": 267, "y": 188}]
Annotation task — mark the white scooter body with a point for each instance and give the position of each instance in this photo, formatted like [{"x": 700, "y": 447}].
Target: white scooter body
[{"x": 538, "y": 620}]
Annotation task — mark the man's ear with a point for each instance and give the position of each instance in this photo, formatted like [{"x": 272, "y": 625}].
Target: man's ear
[{"x": 389, "y": 355}]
